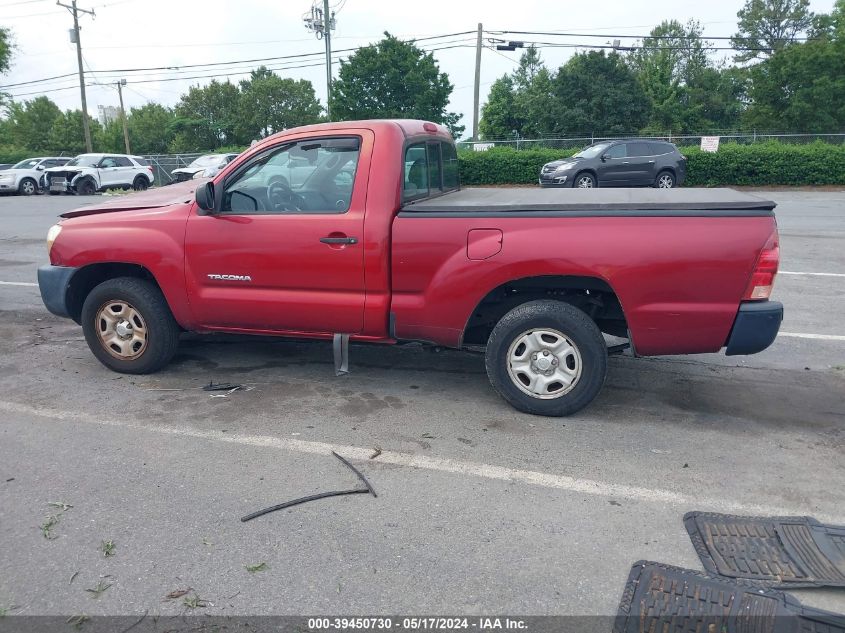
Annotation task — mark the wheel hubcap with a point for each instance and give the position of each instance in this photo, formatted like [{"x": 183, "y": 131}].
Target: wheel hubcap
[
  {"x": 28, "y": 188},
  {"x": 544, "y": 363},
  {"x": 122, "y": 330},
  {"x": 585, "y": 182},
  {"x": 665, "y": 182}
]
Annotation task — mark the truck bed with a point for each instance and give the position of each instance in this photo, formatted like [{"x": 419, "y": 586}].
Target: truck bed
[{"x": 536, "y": 202}]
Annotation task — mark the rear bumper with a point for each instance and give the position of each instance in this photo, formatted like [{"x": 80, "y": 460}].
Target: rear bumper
[
  {"x": 755, "y": 328},
  {"x": 54, "y": 282}
]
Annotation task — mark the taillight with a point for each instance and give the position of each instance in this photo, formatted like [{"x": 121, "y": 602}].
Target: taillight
[
  {"x": 763, "y": 278},
  {"x": 150, "y": 167}
]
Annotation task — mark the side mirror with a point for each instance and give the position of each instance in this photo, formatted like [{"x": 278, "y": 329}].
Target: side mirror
[
  {"x": 604, "y": 157},
  {"x": 205, "y": 197},
  {"x": 39, "y": 167}
]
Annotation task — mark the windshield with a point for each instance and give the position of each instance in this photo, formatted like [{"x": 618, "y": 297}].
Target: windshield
[
  {"x": 592, "y": 151},
  {"x": 84, "y": 161},
  {"x": 208, "y": 160},
  {"x": 29, "y": 163}
]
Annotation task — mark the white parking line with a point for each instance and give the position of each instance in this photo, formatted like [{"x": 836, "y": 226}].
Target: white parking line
[
  {"x": 18, "y": 283},
  {"x": 820, "y": 337},
  {"x": 441, "y": 464},
  {"x": 792, "y": 272}
]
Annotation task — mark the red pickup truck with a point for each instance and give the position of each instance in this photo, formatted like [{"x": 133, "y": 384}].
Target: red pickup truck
[{"x": 360, "y": 230}]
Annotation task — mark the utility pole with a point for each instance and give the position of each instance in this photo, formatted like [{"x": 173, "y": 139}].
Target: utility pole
[
  {"x": 321, "y": 21},
  {"x": 120, "y": 85},
  {"x": 477, "y": 83},
  {"x": 74, "y": 37}
]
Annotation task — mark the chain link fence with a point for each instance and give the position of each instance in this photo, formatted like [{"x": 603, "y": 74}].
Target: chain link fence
[
  {"x": 578, "y": 142},
  {"x": 164, "y": 164}
]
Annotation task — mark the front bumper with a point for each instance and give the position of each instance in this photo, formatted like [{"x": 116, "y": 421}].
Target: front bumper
[
  {"x": 54, "y": 284},
  {"x": 553, "y": 179},
  {"x": 755, "y": 327}
]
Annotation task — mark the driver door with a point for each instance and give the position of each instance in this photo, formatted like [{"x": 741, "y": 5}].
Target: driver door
[{"x": 284, "y": 252}]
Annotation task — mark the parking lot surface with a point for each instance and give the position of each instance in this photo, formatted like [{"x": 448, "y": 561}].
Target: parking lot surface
[{"x": 480, "y": 509}]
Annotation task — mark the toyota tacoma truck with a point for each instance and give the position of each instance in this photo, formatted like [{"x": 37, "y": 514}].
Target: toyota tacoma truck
[{"x": 360, "y": 231}]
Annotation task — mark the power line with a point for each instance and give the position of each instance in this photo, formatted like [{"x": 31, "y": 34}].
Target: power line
[{"x": 640, "y": 37}]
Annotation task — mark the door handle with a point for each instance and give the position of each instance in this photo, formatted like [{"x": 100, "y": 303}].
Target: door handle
[{"x": 339, "y": 240}]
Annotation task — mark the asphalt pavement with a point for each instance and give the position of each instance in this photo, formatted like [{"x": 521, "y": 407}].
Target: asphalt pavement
[{"x": 480, "y": 509}]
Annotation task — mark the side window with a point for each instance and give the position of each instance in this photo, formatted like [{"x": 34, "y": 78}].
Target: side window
[
  {"x": 450, "y": 166},
  {"x": 108, "y": 162},
  {"x": 434, "y": 172},
  {"x": 639, "y": 149},
  {"x": 122, "y": 161},
  {"x": 48, "y": 163},
  {"x": 617, "y": 151},
  {"x": 310, "y": 176},
  {"x": 415, "y": 183},
  {"x": 141, "y": 161}
]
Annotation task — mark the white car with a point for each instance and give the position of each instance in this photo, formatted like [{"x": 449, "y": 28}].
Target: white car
[
  {"x": 202, "y": 164},
  {"x": 88, "y": 173},
  {"x": 25, "y": 178}
]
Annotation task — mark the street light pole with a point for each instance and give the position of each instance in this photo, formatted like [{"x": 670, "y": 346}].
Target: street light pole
[
  {"x": 120, "y": 85},
  {"x": 477, "y": 88},
  {"x": 327, "y": 35},
  {"x": 86, "y": 128}
]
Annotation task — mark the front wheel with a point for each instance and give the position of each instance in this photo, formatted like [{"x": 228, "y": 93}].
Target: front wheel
[
  {"x": 140, "y": 184},
  {"x": 547, "y": 358},
  {"x": 86, "y": 187},
  {"x": 129, "y": 327},
  {"x": 585, "y": 181}
]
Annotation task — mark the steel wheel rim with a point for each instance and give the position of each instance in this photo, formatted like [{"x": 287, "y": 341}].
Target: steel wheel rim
[
  {"x": 585, "y": 182},
  {"x": 121, "y": 330},
  {"x": 544, "y": 363},
  {"x": 28, "y": 187},
  {"x": 665, "y": 182}
]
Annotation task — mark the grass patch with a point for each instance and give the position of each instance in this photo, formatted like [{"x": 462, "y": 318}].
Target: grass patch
[
  {"x": 107, "y": 548},
  {"x": 193, "y": 601},
  {"x": 48, "y": 525},
  {"x": 259, "y": 567},
  {"x": 97, "y": 591},
  {"x": 61, "y": 505},
  {"x": 77, "y": 621}
]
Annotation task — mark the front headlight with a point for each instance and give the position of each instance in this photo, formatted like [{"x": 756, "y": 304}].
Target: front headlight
[
  {"x": 565, "y": 166},
  {"x": 52, "y": 234}
]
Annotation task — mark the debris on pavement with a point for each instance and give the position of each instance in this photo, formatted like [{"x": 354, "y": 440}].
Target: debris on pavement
[
  {"x": 97, "y": 591},
  {"x": 376, "y": 452},
  {"x": 107, "y": 548},
  {"x": 178, "y": 593},
  {"x": 48, "y": 525},
  {"x": 73, "y": 577},
  {"x": 262, "y": 566},
  {"x": 222, "y": 386},
  {"x": 368, "y": 489}
]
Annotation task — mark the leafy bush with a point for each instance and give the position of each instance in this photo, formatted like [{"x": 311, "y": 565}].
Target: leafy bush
[{"x": 759, "y": 164}]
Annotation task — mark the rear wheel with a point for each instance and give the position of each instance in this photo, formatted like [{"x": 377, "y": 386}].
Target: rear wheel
[
  {"x": 585, "y": 181},
  {"x": 27, "y": 187},
  {"x": 140, "y": 184},
  {"x": 128, "y": 326},
  {"x": 547, "y": 358},
  {"x": 665, "y": 180}
]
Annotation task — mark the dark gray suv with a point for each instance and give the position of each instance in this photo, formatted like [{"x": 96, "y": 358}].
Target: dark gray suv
[{"x": 634, "y": 163}]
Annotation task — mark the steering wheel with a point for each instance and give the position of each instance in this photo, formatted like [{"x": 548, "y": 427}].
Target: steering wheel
[{"x": 282, "y": 197}]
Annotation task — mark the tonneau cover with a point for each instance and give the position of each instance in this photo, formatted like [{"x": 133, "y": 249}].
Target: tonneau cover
[{"x": 591, "y": 201}]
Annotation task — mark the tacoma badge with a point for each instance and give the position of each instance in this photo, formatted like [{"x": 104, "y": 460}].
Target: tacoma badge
[{"x": 230, "y": 277}]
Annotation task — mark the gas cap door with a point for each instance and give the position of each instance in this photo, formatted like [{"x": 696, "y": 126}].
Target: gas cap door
[{"x": 483, "y": 243}]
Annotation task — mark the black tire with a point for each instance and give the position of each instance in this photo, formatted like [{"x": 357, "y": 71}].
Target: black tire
[
  {"x": 86, "y": 187},
  {"x": 140, "y": 183},
  {"x": 580, "y": 332},
  {"x": 162, "y": 331},
  {"x": 665, "y": 180},
  {"x": 28, "y": 187},
  {"x": 584, "y": 176}
]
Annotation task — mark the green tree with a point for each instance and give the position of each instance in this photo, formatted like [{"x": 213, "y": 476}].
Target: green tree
[
  {"x": 269, "y": 104},
  {"x": 521, "y": 103},
  {"x": 205, "y": 117},
  {"x": 6, "y": 49},
  {"x": 65, "y": 135},
  {"x": 767, "y": 26},
  {"x": 150, "y": 128},
  {"x": 31, "y": 122},
  {"x": 393, "y": 79},
  {"x": 598, "y": 92}
]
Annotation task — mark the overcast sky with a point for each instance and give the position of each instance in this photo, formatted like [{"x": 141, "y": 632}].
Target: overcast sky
[{"x": 130, "y": 34}]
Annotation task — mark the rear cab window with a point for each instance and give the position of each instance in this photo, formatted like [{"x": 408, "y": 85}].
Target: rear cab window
[{"x": 430, "y": 168}]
